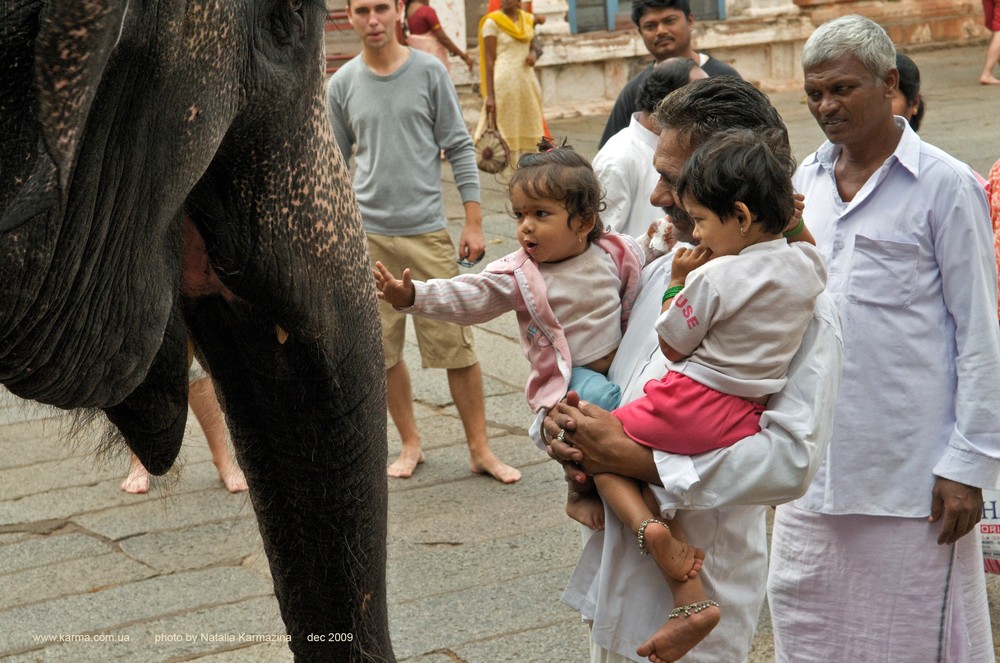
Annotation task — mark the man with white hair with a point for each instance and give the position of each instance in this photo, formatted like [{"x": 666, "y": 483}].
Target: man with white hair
[{"x": 879, "y": 560}]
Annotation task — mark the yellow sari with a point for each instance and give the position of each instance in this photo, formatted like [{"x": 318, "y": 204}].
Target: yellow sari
[{"x": 516, "y": 90}]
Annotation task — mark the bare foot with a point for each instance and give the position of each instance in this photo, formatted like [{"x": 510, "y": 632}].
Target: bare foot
[
  {"x": 137, "y": 481},
  {"x": 586, "y": 509},
  {"x": 676, "y": 559},
  {"x": 678, "y": 636},
  {"x": 487, "y": 463},
  {"x": 406, "y": 463},
  {"x": 989, "y": 80},
  {"x": 232, "y": 478}
]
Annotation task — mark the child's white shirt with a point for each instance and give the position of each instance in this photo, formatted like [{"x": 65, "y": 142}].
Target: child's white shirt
[{"x": 740, "y": 319}]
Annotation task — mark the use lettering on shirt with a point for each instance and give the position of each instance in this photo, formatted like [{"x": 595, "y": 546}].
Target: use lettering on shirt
[{"x": 681, "y": 302}]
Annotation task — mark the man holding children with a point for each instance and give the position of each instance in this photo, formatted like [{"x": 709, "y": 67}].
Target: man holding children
[
  {"x": 719, "y": 493},
  {"x": 874, "y": 562}
]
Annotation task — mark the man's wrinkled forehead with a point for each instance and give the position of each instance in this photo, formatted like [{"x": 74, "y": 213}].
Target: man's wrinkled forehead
[{"x": 672, "y": 152}]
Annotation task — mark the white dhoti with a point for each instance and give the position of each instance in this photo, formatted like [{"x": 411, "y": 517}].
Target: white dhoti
[
  {"x": 875, "y": 589},
  {"x": 601, "y": 655},
  {"x": 628, "y": 601}
]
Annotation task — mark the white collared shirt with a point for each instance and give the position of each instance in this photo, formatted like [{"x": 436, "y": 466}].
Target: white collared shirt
[
  {"x": 624, "y": 167},
  {"x": 913, "y": 272},
  {"x": 639, "y": 358}
]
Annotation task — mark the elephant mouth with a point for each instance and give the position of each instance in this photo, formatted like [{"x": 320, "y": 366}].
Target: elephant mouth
[
  {"x": 199, "y": 278},
  {"x": 87, "y": 344}
]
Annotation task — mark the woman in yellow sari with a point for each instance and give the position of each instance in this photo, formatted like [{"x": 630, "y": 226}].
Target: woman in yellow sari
[{"x": 507, "y": 77}]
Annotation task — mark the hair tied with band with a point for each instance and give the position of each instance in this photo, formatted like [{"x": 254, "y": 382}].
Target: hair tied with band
[{"x": 547, "y": 144}]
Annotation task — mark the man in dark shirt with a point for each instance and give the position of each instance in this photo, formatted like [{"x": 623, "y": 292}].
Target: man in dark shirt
[{"x": 665, "y": 27}]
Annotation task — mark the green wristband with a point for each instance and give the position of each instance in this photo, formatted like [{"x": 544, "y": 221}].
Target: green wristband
[
  {"x": 797, "y": 230},
  {"x": 671, "y": 292}
]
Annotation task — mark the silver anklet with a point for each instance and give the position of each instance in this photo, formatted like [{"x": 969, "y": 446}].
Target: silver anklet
[
  {"x": 687, "y": 610},
  {"x": 642, "y": 534}
]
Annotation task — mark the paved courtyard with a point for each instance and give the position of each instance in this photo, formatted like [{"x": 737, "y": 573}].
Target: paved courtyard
[{"x": 475, "y": 568}]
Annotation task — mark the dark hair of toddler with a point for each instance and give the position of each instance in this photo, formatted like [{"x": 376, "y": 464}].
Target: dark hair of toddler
[
  {"x": 561, "y": 173},
  {"x": 752, "y": 167}
]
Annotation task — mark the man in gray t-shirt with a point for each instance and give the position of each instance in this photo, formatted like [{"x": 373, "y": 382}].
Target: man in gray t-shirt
[{"x": 396, "y": 109}]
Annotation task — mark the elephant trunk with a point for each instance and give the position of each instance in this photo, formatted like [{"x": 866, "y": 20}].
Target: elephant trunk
[{"x": 312, "y": 448}]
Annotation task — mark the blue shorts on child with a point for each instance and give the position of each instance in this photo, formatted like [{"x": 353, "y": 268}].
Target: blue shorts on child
[{"x": 595, "y": 388}]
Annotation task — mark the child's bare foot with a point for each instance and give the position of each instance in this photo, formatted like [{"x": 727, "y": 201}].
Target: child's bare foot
[
  {"x": 680, "y": 634},
  {"x": 232, "y": 478},
  {"x": 676, "y": 559},
  {"x": 989, "y": 80},
  {"x": 137, "y": 481},
  {"x": 486, "y": 462},
  {"x": 586, "y": 509},
  {"x": 406, "y": 463}
]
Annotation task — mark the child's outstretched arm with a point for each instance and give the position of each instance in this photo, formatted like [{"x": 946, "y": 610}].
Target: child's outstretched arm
[{"x": 398, "y": 292}]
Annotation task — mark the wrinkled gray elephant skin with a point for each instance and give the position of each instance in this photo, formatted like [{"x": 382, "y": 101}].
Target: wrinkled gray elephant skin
[{"x": 166, "y": 173}]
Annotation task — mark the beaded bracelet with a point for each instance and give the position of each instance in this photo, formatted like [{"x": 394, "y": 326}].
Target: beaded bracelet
[
  {"x": 797, "y": 230},
  {"x": 671, "y": 292}
]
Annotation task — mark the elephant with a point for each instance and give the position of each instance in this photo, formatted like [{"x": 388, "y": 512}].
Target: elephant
[{"x": 168, "y": 177}]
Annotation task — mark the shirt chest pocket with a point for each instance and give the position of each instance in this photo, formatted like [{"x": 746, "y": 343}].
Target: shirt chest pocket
[{"x": 883, "y": 272}]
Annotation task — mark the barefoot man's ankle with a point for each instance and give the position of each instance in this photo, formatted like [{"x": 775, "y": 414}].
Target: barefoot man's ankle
[
  {"x": 484, "y": 461},
  {"x": 406, "y": 463}
]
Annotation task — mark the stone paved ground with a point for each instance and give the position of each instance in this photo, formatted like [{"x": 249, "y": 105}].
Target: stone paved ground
[{"x": 475, "y": 568}]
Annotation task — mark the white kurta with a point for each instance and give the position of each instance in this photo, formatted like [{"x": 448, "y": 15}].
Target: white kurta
[
  {"x": 624, "y": 167},
  {"x": 913, "y": 272},
  {"x": 624, "y": 594}
]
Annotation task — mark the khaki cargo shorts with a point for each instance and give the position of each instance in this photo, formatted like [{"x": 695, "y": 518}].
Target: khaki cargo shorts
[{"x": 432, "y": 255}]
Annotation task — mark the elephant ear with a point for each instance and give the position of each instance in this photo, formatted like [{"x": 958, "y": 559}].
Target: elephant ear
[{"x": 75, "y": 41}]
